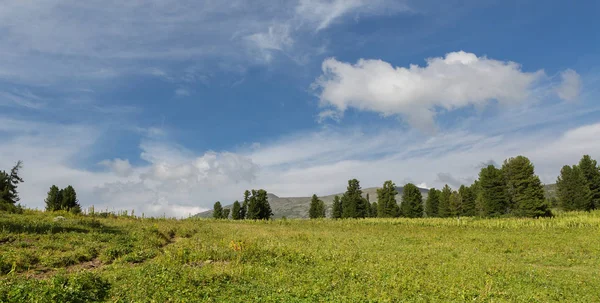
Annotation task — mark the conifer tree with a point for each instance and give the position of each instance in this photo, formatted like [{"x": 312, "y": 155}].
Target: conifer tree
[
  {"x": 336, "y": 209},
  {"x": 444, "y": 204},
  {"x": 258, "y": 206},
  {"x": 53, "y": 200},
  {"x": 317, "y": 208},
  {"x": 572, "y": 189},
  {"x": 9, "y": 183},
  {"x": 236, "y": 210},
  {"x": 524, "y": 188},
  {"x": 353, "y": 204},
  {"x": 412, "y": 202},
  {"x": 374, "y": 210},
  {"x": 244, "y": 209},
  {"x": 591, "y": 172},
  {"x": 217, "y": 210},
  {"x": 226, "y": 212},
  {"x": 455, "y": 204},
  {"x": 69, "y": 200},
  {"x": 493, "y": 191},
  {"x": 468, "y": 201},
  {"x": 387, "y": 206},
  {"x": 432, "y": 203}
]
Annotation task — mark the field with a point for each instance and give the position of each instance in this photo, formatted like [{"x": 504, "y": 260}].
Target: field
[{"x": 124, "y": 259}]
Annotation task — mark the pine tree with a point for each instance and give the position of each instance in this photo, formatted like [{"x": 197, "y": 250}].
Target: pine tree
[
  {"x": 258, "y": 206},
  {"x": 572, "y": 189},
  {"x": 432, "y": 203},
  {"x": 444, "y": 204},
  {"x": 9, "y": 183},
  {"x": 387, "y": 206},
  {"x": 591, "y": 172},
  {"x": 317, "y": 208},
  {"x": 353, "y": 204},
  {"x": 226, "y": 212},
  {"x": 455, "y": 203},
  {"x": 525, "y": 190},
  {"x": 53, "y": 200},
  {"x": 493, "y": 191},
  {"x": 412, "y": 202},
  {"x": 236, "y": 211},
  {"x": 468, "y": 201},
  {"x": 69, "y": 200},
  {"x": 244, "y": 209},
  {"x": 217, "y": 210},
  {"x": 336, "y": 209},
  {"x": 374, "y": 210}
]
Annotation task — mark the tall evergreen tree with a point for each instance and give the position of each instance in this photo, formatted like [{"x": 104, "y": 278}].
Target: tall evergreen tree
[
  {"x": 412, "y": 202},
  {"x": 524, "y": 188},
  {"x": 226, "y": 212},
  {"x": 9, "y": 183},
  {"x": 244, "y": 209},
  {"x": 374, "y": 210},
  {"x": 591, "y": 172},
  {"x": 468, "y": 201},
  {"x": 493, "y": 191},
  {"x": 53, "y": 200},
  {"x": 336, "y": 209},
  {"x": 218, "y": 210},
  {"x": 353, "y": 204},
  {"x": 444, "y": 204},
  {"x": 236, "y": 211},
  {"x": 387, "y": 206},
  {"x": 572, "y": 189},
  {"x": 317, "y": 208},
  {"x": 258, "y": 206},
  {"x": 432, "y": 203},
  {"x": 455, "y": 203}
]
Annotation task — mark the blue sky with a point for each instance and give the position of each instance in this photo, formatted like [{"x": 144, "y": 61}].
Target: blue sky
[{"x": 167, "y": 106}]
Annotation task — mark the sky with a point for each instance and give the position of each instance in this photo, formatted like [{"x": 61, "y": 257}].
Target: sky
[{"x": 164, "y": 107}]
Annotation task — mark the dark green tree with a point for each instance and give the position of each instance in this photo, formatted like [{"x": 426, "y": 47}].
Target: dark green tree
[
  {"x": 432, "y": 203},
  {"x": 236, "y": 211},
  {"x": 572, "y": 189},
  {"x": 317, "y": 208},
  {"x": 525, "y": 190},
  {"x": 244, "y": 209},
  {"x": 226, "y": 212},
  {"x": 353, "y": 204},
  {"x": 336, "y": 209},
  {"x": 468, "y": 201},
  {"x": 444, "y": 204},
  {"x": 493, "y": 191},
  {"x": 69, "y": 200},
  {"x": 258, "y": 206},
  {"x": 387, "y": 206},
  {"x": 412, "y": 202},
  {"x": 53, "y": 200},
  {"x": 591, "y": 172},
  {"x": 374, "y": 210},
  {"x": 218, "y": 210},
  {"x": 9, "y": 183},
  {"x": 455, "y": 204}
]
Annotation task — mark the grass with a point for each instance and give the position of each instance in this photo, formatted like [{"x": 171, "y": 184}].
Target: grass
[{"x": 124, "y": 259}]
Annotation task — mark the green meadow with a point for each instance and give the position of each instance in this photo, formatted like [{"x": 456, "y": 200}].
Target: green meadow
[{"x": 126, "y": 259}]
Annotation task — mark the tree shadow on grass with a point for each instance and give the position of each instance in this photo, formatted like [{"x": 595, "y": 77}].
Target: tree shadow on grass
[{"x": 56, "y": 227}]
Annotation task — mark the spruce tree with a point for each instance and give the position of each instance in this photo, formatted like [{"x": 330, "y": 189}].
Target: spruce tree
[
  {"x": 226, "y": 212},
  {"x": 493, "y": 191},
  {"x": 336, "y": 209},
  {"x": 572, "y": 189},
  {"x": 374, "y": 210},
  {"x": 69, "y": 200},
  {"x": 258, "y": 206},
  {"x": 468, "y": 201},
  {"x": 217, "y": 210},
  {"x": 591, "y": 172},
  {"x": 432, "y": 203},
  {"x": 524, "y": 188},
  {"x": 244, "y": 209},
  {"x": 236, "y": 211},
  {"x": 455, "y": 204},
  {"x": 387, "y": 206},
  {"x": 53, "y": 201},
  {"x": 444, "y": 204},
  {"x": 317, "y": 208},
  {"x": 9, "y": 183},
  {"x": 412, "y": 202},
  {"x": 353, "y": 204}
]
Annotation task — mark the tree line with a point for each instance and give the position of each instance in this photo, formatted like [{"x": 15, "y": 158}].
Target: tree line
[{"x": 254, "y": 207}]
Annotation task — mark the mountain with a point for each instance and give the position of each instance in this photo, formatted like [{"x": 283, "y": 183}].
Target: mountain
[{"x": 297, "y": 207}]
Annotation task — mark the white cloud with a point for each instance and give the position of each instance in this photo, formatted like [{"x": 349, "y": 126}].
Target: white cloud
[
  {"x": 119, "y": 166},
  {"x": 570, "y": 87},
  {"x": 182, "y": 92},
  {"x": 417, "y": 93}
]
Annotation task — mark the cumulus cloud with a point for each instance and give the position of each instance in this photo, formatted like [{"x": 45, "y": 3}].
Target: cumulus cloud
[
  {"x": 417, "y": 93},
  {"x": 570, "y": 87},
  {"x": 118, "y": 166}
]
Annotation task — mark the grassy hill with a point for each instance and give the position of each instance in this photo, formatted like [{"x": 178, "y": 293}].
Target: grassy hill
[{"x": 297, "y": 207}]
